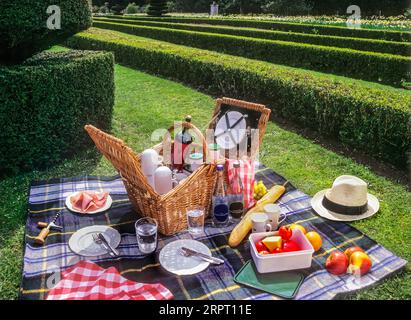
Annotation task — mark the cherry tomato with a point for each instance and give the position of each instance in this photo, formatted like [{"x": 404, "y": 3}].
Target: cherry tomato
[
  {"x": 260, "y": 246},
  {"x": 290, "y": 245},
  {"x": 285, "y": 232},
  {"x": 263, "y": 252}
]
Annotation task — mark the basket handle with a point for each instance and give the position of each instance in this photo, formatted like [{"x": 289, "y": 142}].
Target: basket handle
[{"x": 167, "y": 140}]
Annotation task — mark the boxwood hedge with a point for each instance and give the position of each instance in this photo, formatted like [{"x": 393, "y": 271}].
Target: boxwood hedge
[
  {"x": 378, "y": 67},
  {"x": 45, "y": 102},
  {"x": 365, "y": 116},
  {"x": 390, "y": 35},
  {"x": 24, "y": 31},
  {"x": 382, "y": 46}
]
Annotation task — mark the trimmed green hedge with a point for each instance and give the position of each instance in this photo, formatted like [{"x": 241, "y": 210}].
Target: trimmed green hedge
[
  {"x": 23, "y": 26},
  {"x": 365, "y": 116},
  {"x": 389, "y": 35},
  {"x": 377, "y": 67},
  {"x": 382, "y": 46},
  {"x": 45, "y": 102}
]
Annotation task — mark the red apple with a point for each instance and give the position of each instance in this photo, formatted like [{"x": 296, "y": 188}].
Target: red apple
[
  {"x": 351, "y": 250},
  {"x": 360, "y": 263},
  {"x": 337, "y": 263}
]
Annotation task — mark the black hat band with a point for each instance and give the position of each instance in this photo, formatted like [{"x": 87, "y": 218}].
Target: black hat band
[{"x": 348, "y": 210}]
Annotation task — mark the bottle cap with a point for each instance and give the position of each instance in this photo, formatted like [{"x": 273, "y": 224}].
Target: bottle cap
[{"x": 220, "y": 167}]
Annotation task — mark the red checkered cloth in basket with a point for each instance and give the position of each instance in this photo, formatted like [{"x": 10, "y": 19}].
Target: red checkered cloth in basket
[
  {"x": 247, "y": 173},
  {"x": 88, "y": 281}
]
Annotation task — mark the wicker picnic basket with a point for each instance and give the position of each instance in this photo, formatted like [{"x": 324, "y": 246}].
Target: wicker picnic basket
[{"x": 169, "y": 209}]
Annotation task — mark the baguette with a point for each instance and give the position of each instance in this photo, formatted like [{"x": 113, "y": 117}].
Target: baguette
[{"x": 244, "y": 226}]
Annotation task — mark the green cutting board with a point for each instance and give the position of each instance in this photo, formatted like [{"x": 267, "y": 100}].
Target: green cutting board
[{"x": 283, "y": 284}]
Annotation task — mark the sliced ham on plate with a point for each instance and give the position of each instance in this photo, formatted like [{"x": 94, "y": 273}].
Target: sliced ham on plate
[{"x": 88, "y": 201}]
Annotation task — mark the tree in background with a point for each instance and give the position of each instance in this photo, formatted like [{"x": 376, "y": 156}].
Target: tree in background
[
  {"x": 157, "y": 8},
  {"x": 132, "y": 8},
  {"x": 287, "y": 7},
  {"x": 293, "y": 7}
]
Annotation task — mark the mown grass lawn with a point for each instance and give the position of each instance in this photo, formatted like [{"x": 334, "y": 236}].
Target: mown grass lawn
[{"x": 145, "y": 103}]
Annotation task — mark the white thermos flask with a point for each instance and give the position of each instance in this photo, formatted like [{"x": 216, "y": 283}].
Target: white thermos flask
[
  {"x": 149, "y": 164},
  {"x": 163, "y": 181}
]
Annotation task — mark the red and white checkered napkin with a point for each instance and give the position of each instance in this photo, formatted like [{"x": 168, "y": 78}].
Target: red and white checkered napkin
[
  {"x": 247, "y": 174},
  {"x": 88, "y": 281}
]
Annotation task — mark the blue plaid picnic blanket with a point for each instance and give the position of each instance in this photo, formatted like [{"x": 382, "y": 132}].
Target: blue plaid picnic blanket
[{"x": 43, "y": 264}]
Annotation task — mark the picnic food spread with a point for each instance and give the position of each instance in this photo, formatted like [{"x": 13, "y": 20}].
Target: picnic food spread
[{"x": 225, "y": 190}]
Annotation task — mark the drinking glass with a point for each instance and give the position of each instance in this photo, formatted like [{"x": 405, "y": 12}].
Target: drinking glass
[
  {"x": 146, "y": 233},
  {"x": 195, "y": 220}
]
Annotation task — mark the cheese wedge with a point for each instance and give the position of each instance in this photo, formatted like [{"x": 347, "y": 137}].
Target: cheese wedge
[{"x": 272, "y": 242}]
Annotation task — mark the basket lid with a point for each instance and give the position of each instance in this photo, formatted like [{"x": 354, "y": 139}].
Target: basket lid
[{"x": 236, "y": 121}]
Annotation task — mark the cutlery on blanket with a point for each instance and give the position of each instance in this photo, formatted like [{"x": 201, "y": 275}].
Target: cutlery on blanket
[
  {"x": 189, "y": 253},
  {"x": 99, "y": 238},
  {"x": 46, "y": 227}
]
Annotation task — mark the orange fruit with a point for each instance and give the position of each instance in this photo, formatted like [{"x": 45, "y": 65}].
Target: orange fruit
[
  {"x": 297, "y": 226},
  {"x": 315, "y": 240}
]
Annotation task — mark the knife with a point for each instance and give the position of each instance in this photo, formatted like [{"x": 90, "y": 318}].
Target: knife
[
  {"x": 202, "y": 256},
  {"x": 103, "y": 238}
]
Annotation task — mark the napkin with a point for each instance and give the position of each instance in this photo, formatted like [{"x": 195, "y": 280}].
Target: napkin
[{"x": 87, "y": 281}]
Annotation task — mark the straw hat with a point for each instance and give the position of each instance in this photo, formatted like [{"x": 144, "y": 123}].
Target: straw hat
[{"x": 347, "y": 200}]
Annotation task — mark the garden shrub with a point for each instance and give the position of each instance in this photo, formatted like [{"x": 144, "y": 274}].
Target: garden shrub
[
  {"x": 373, "y": 45},
  {"x": 377, "y": 67},
  {"x": 368, "y": 117},
  {"x": 390, "y": 35},
  {"x": 45, "y": 102},
  {"x": 157, "y": 8},
  {"x": 132, "y": 8},
  {"x": 23, "y": 26}
]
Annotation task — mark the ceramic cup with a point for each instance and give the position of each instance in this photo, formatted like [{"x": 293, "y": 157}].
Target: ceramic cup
[
  {"x": 274, "y": 214},
  {"x": 260, "y": 222}
]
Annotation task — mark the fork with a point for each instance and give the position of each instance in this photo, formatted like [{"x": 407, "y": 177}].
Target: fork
[
  {"x": 100, "y": 242},
  {"x": 190, "y": 253}
]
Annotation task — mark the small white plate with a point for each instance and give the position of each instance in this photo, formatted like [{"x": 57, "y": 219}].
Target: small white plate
[
  {"x": 173, "y": 261},
  {"x": 107, "y": 206},
  {"x": 82, "y": 243}
]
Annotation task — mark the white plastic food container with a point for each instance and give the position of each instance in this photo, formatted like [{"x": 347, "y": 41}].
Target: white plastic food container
[{"x": 282, "y": 261}]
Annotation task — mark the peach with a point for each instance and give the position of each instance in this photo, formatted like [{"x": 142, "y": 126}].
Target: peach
[
  {"x": 337, "y": 263},
  {"x": 348, "y": 252},
  {"x": 360, "y": 263}
]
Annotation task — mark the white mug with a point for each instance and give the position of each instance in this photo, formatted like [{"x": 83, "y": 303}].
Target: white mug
[
  {"x": 260, "y": 222},
  {"x": 273, "y": 212}
]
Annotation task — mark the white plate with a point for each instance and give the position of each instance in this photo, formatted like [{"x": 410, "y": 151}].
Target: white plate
[
  {"x": 82, "y": 243},
  {"x": 173, "y": 261},
  {"x": 107, "y": 206}
]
